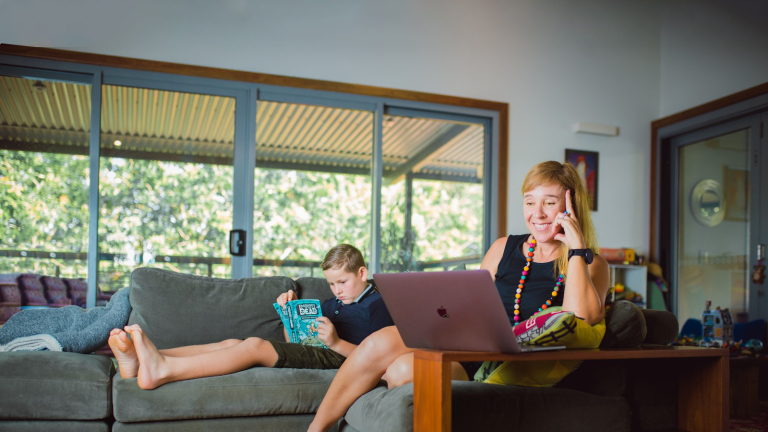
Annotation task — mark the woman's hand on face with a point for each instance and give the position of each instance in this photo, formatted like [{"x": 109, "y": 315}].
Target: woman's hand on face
[
  {"x": 571, "y": 234},
  {"x": 286, "y": 297}
]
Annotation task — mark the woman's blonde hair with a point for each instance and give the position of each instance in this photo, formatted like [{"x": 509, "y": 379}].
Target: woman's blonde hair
[{"x": 565, "y": 175}]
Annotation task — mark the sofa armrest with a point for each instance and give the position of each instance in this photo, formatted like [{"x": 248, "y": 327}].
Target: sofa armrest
[{"x": 662, "y": 327}]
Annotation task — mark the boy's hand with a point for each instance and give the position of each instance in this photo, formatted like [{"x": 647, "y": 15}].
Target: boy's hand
[
  {"x": 327, "y": 332},
  {"x": 286, "y": 297}
]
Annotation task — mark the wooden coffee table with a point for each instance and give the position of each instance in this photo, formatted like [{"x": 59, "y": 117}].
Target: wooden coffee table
[{"x": 702, "y": 404}]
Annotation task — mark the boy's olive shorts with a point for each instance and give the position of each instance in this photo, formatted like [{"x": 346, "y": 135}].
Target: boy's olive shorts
[{"x": 292, "y": 355}]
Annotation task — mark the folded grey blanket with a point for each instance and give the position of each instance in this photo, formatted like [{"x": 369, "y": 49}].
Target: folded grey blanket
[{"x": 70, "y": 329}]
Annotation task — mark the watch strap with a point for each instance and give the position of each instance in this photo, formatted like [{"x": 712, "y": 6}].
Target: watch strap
[{"x": 584, "y": 253}]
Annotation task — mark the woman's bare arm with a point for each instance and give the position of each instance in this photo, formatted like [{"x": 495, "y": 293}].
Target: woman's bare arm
[
  {"x": 586, "y": 288},
  {"x": 493, "y": 257}
]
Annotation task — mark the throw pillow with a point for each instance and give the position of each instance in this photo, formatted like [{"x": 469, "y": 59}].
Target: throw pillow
[
  {"x": 550, "y": 327},
  {"x": 625, "y": 326}
]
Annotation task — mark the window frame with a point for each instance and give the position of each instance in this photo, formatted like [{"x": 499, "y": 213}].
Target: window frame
[{"x": 249, "y": 88}]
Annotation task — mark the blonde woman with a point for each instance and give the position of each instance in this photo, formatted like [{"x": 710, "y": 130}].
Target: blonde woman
[{"x": 554, "y": 264}]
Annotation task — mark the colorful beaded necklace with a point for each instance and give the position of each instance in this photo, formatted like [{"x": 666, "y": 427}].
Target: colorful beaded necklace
[{"x": 527, "y": 268}]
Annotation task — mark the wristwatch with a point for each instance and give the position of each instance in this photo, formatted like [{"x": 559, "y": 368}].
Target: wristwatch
[{"x": 585, "y": 253}]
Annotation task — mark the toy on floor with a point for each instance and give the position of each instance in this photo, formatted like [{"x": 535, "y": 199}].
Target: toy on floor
[{"x": 717, "y": 326}]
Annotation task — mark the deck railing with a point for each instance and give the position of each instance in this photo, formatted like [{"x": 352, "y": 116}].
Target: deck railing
[{"x": 137, "y": 259}]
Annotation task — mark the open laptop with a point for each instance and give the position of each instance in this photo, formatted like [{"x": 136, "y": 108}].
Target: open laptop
[{"x": 450, "y": 311}]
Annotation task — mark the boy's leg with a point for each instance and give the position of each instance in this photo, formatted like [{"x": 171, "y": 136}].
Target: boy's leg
[
  {"x": 156, "y": 369},
  {"x": 125, "y": 353},
  {"x": 192, "y": 350}
]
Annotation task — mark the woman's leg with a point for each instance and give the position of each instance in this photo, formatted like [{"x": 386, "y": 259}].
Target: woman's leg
[
  {"x": 400, "y": 372},
  {"x": 156, "y": 369},
  {"x": 360, "y": 373}
]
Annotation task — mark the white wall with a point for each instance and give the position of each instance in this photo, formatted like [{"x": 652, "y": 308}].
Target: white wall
[
  {"x": 710, "y": 49},
  {"x": 554, "y": 61}
]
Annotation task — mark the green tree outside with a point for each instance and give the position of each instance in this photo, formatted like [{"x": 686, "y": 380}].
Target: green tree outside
[{"x": 151, "y": 208}]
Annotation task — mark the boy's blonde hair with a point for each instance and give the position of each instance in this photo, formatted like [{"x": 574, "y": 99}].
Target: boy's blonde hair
[
  {"x": 345, "y": 256},
  {"x": 565, "y": 175}
]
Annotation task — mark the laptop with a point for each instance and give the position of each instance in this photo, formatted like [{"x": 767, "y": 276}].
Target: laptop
[{"x": 450, "y": 311}]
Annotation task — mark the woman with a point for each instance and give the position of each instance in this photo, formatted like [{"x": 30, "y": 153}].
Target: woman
[{"x": 531, "y": 272}]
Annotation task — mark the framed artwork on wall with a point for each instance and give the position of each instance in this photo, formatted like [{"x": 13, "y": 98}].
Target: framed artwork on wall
[
  {"x": 735, "y": 191},
  {"x": 586, "y": 163}
]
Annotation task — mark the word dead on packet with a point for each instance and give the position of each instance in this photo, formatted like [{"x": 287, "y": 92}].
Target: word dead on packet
[{"x": 300, "y": 320}]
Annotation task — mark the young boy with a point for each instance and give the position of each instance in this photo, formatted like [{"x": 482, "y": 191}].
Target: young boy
[{"x": 357, "y": 311}]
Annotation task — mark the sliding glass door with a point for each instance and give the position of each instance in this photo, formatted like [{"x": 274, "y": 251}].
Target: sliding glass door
[
  {"x": 45, "y": 122},
  {"x": 434, "y": 189},
  {"x": 105, "y": 169},
  {"x": 312, "y": 185},
  {"x": 165, "y": 182},
  {"x": 716, "y": 203}
]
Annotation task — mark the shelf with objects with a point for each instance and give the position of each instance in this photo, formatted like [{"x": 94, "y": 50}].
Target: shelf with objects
[
  {"x": 633, "y": 280},
  {"x": 629, "y": 282}
]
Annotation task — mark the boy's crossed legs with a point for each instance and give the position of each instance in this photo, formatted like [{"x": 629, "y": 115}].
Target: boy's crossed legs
[{"x": 152, "y": 367}]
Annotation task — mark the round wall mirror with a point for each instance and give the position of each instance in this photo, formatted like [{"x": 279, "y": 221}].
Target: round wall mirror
[{"x": 707, "y": 203}]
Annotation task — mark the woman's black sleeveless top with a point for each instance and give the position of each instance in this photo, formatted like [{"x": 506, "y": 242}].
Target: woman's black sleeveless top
[{"x": 539, "y": 283}]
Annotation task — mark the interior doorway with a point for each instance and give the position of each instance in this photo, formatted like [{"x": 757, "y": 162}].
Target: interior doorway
[{"x": 711, "y": 195}]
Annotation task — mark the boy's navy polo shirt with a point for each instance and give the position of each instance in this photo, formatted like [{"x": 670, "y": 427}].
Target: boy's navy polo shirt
[{"x": 355, "y": 321}]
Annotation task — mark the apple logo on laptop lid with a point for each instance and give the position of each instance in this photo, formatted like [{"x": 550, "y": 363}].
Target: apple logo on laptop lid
[{"x": 443, "y": 312}]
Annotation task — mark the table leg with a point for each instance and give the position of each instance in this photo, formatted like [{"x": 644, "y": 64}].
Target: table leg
[
  {"x": 703, "y": 395},
  {"x": 431, "y": 395}
]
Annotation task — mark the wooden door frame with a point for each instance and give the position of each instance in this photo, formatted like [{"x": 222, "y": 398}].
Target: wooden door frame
[{"x": 656, "y": 125}]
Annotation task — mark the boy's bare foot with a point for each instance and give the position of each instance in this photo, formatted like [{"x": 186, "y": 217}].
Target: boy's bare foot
[
  {"x": 152, "y": 368},
  {"x": 125, "y": 354}
]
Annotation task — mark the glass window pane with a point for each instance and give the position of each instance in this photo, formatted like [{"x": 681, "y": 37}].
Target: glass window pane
[
  {"x": 44, "y": 168},
  {"x": 312, "y": 186},
  {"x": 432, "y": 202},
  {"x": 165, "y": 183},
  {"x": 713, "y": 225}
]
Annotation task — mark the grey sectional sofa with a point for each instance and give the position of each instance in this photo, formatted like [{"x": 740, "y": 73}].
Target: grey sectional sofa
[{"x": 84, "y": 392}]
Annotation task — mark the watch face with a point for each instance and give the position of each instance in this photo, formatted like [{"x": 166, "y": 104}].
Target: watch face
[{"x": 588, "y": 256}]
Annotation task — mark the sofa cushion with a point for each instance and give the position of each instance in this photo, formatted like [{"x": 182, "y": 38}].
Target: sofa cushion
[
  {"x": 314, "y": 288},
  {"x": 53, "y": 425},
  {"x": 10, "y": 297},
  {"x": 597, "y": 377},
  {"x": 45, "y": 385},
  {"x": 176, "y": 309},
  {"x": 274, "y": 423},
  {"x": 55, "y": 291},
  {"x": 487, "y": 407},
  {"x": 252, "y": 392},
  {"x": 32, "y": 290},
  {"x": 77, "y": 289}
]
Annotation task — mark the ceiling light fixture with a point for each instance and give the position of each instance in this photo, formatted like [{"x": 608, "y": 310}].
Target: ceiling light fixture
[
  {"x": 39, "y": 86},
  {"x": 118, "y": 143}
]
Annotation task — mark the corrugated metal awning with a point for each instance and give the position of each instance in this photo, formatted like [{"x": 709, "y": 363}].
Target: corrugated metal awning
[{"x": 167, "y": 125}]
